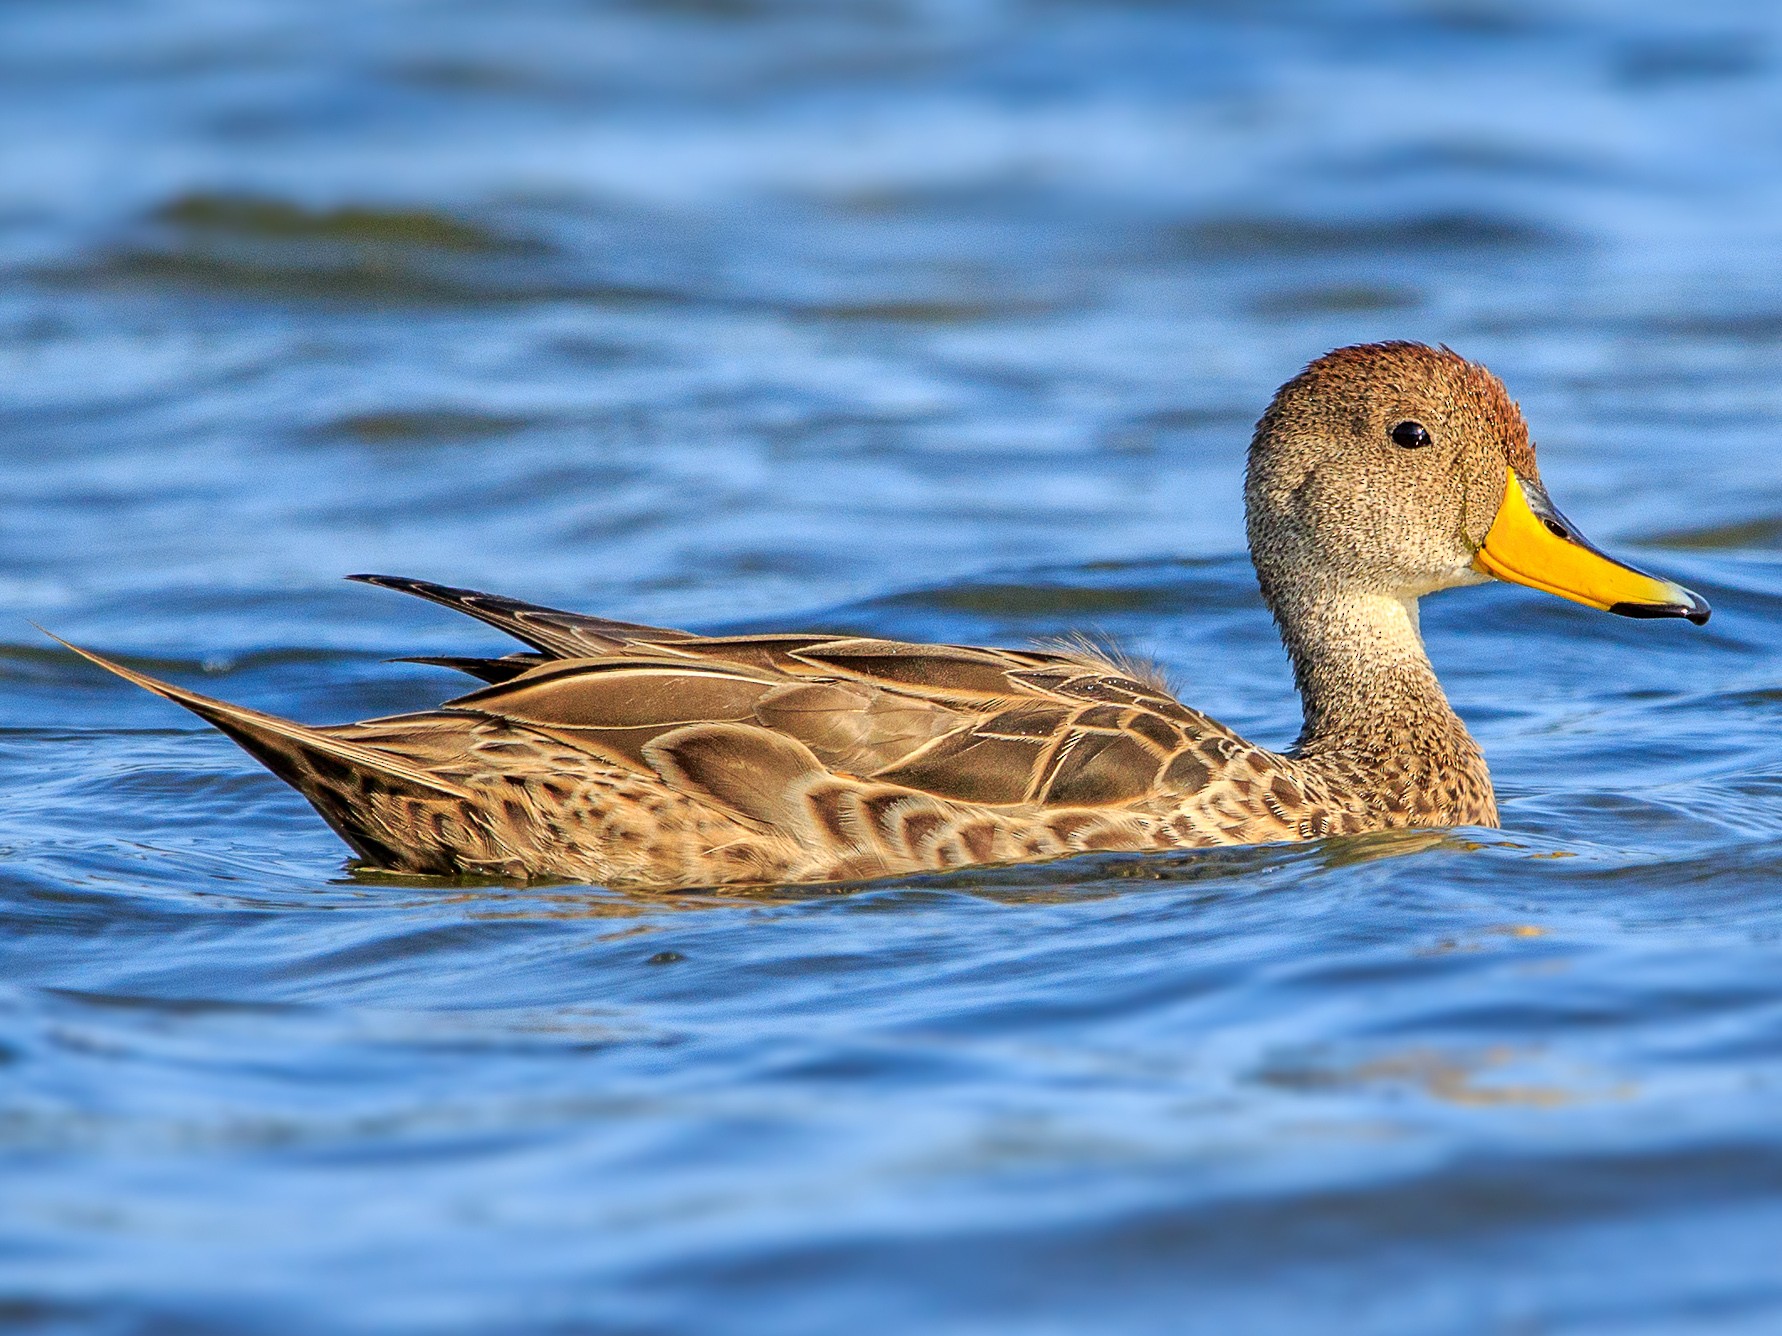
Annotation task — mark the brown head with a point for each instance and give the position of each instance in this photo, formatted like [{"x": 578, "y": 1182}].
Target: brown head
[{"x": 1395, "y": 470}]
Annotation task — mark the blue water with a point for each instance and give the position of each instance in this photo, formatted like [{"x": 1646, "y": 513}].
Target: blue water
[{"x": 936, "y": 320}]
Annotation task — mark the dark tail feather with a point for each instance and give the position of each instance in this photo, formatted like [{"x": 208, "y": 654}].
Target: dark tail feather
[
  {"x": 561, "y": 635},
  {"x": 296, "y": 753},
  {"x": 492, "y": 671}
]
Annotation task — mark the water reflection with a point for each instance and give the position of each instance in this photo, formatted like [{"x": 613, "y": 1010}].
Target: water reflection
[{"x": 1495, "y": 1077}]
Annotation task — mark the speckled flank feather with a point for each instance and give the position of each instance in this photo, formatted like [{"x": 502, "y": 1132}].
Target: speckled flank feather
[{"x": 634, "y": 755}]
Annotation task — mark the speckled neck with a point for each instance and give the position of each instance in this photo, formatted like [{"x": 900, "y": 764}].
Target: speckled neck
[{"x": 1369, "y": 690}]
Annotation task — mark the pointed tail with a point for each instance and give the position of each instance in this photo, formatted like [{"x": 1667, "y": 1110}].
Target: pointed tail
[{"x": 297, "y": 753}]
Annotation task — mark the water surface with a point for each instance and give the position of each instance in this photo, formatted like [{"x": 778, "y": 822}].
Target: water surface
[{"x": 927, "y": 320}]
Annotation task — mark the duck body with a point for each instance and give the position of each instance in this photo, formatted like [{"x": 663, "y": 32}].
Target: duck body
[{"x": 632, "y": 755}]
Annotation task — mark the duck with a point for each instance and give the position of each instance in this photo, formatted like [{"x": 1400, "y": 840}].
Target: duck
[{"x": 635, "y": 756}]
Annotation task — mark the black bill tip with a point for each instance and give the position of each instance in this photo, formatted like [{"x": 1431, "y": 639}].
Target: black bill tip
[{"x": 1695, "y": 610}]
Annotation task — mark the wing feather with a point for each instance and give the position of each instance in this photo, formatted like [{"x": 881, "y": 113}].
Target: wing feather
[
  {"x": 569, "y": 635},
  {"x": 1066, "y": 727}
]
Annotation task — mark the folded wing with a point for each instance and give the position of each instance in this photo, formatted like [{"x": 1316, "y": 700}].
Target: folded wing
[{"x": 987, "y": 726}]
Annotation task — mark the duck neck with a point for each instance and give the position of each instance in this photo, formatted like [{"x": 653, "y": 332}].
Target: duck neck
[{"x": 1365, "y": 680}]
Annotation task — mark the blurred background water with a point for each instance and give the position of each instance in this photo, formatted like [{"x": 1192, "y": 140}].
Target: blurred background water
[{"x": 929, "y": 318}]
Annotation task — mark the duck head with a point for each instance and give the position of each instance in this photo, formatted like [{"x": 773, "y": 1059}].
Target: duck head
[{"x": 1394, "y": 470}]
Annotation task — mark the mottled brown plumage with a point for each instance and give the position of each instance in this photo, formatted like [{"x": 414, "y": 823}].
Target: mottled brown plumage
[{"x": 633, "y": 755}]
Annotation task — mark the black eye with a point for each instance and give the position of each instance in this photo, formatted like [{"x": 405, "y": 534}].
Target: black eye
[{"x": 1410, "y": 435}]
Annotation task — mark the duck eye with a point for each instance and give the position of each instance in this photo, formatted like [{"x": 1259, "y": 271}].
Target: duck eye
[{"x": 1410, "y": 435}]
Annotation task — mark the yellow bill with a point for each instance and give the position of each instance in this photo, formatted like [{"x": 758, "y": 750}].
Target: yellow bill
[{"x": 1531, "y": 543}]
